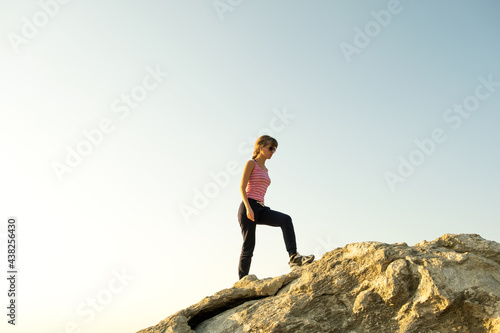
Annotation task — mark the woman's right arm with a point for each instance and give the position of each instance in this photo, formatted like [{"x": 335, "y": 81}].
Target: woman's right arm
[{"x": 243, "y": 188}]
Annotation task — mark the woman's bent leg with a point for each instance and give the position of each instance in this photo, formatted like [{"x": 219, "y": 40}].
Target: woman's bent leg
[{"x": 278, "y": 219}]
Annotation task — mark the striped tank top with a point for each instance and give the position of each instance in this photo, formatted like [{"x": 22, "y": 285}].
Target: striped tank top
[{"x": 258, "y": 183}]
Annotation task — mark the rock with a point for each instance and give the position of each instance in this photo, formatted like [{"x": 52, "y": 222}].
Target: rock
[{"x": 451, "y": 284}]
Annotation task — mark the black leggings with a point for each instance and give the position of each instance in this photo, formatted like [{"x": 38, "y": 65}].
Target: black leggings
[{"x": 262, "y": 215}]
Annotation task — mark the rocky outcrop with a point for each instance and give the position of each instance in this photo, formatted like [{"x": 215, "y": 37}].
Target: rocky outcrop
[{"x": 451, "y": 284}]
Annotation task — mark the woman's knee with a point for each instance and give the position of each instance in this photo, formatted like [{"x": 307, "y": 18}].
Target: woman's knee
[{"x": 287, "y": 219}]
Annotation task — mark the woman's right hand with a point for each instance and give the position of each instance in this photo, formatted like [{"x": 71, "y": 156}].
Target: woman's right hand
[{"x": 250, "y": 214}]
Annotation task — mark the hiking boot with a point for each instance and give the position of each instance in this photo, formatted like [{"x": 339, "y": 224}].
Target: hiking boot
[{"x": 299, "y": 260}]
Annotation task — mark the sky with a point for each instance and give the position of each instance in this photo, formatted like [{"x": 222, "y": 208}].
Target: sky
[{"x": 125, "y": 126}]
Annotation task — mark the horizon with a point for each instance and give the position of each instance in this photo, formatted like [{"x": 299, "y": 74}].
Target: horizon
[{"x": 125, "y": 127}]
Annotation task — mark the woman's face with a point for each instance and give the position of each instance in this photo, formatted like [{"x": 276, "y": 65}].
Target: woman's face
[{"x": 268, "y": 151}]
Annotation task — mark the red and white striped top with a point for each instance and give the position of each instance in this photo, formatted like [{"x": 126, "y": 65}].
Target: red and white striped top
[{"x": 258, "y": 183}]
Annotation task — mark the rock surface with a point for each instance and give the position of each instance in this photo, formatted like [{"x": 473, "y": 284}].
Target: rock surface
[{"x": 451, "y": 284}]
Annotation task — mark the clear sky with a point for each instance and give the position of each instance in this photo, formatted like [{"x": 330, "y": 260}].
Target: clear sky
[{"x": 124, "y": 127}]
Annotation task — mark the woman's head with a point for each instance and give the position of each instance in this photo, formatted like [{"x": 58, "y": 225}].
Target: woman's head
[{"x": 264, "y": 142}]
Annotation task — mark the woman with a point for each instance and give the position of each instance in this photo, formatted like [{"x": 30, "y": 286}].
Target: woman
[{"x": 252, "y": 210}]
